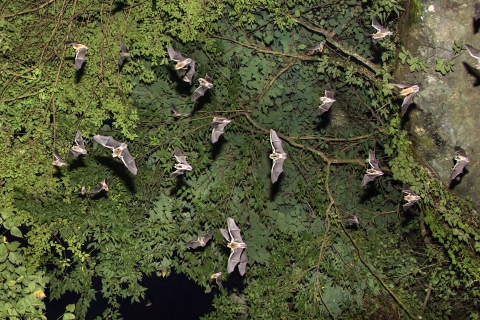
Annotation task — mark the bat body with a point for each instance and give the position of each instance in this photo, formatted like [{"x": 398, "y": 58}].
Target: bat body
[
  {"x": 187, "y": 75},
  {"x": 374, "y": 171},
  {"x": 80, "y": 52},
  {"x": 99, "y": 187},
  {"x": 327, "y": 100},
  {"x": 201, "y": 241},
  {"x": 218, "y": 126},
  {"x": 176, "y": 113},
  {"x": 477, "y": 11},
  {"x": 182, "y": 164},
  {"x": 205, "y": 84},
  {"x": 316, "y": 49},
  {"x": 352, "y": 220},
  {"x": 462, "y": 161},
  {"x": 79, "y": 147},
  {"x": 408, "y": 92},
  {"x": 217, "y": 276},
  {"x": 83, "y": 190},
  {"x": 57, "y": 159},
  {"x": 178, "y": 58},
  {"x": 474, "y": 53},
  {"x": 123, "y": 54},
  {"x": 410, "y": 196},
  {"x": 119, "y": 150},
  {"x": 278, "y": 156},
  {"x": 381, "y": 31},
  {"x": 237, "y": 246}
]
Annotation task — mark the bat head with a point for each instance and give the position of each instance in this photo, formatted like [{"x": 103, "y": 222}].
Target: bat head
[
  {"x": 117, "y": 151},
  {"x": 373, "y": 171},
  {"x": 205, "y": 83},
  {"x": 216, "y": 275},
  {"x": 409, "y": 90},
  {"x": 236, "y": 245},
  {"x": 182, "y": 64},
  {"x": 411, "y": 197},
  {"x": 83, "y": 190},
  {"x": 78, "y": 46},
  {"x": 275, "y": 156},
  {"x": 79, "y": 149},
  {"x": 184, "y": 167}
]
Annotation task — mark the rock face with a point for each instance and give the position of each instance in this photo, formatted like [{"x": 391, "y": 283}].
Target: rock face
[{"x": 447, "y": 111}]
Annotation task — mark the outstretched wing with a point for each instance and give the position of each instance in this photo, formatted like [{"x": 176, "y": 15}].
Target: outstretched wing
[
  {"x": 367, "y": 178},
  {"x": 406, "y": 189},
  {"x": 473, "y": 52},
  {"x": 193, "y": 244},
  {"x": 179, "y": 156},
  {"x": 276, "y": 142},
  {"x": 189, "y": 76},
  {"x": 324, "y": 107},
  {"x": 225, "y": 234},
  {"x": 234, "y": 259},
  {"x": 174, "y": 55},
  {"x": 457, "y": 169},
  {"x": 107, "y": 141},
  {"x": 407, "y": 101},
  {"x": 477, "y": 10},
  {"x": 209, "y": 78},
  {"x": 80, "y": 58},
  {"x": 79, "y": 140},
  {"x": 377, "y": 24},
  {"x": 218, "y": 129},
  {"x": 242, "y": 265},
  {"x": 459, "y": 151},
  {"x": 177, "y": 173},
  {"x": 398, "y": 84},
  {"x": 372, "y": 160},
  {"x": 234, "y": 230},
  {"x": 200, "y": 91},
  {"x": 277, "y": 169},
  {"x": 329, "y": 93},
  {"x": 128, "y": 160}
]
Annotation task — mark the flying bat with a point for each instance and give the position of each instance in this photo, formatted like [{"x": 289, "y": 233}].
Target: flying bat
[
  {"x": 474, "y": 53},
  {"x": 462, "y": 160},
  {"x": 381, "y": 31},
  {"x": 201, "y": 241},
  {"x": 410, "y": 196},
  {"x": 205, "y": 84},
  {"x": 477, "y": 10},
  {"x": 178, "y": 58},
  {"x": 352, "y": 220},
  {"x": 83, "y": 190},
  {"x": 217, "y": 276},
  {"x": 316, "y": 49},
  {"x": 99, "y": 187},
  {"x": 408, "y": 92},
  {"x": 176, "y": 113},
  {"x": 218, "y": 125},
  {"x": 187, "y": 75},
  {"x": 182, "y": 164},
  {"x": 119, "y": 150},
  {"x": 278, "y": 156},
  {"x": 80, "y": 52},
  {"x": 123, "y": 54},
  {"x": 58, "y": 160},
  {"x": 327, "y": 100},
  {"x": 374, "y": 171},
  {"x": 79, "y": 147},
  {"x": 237, "y": 246}
]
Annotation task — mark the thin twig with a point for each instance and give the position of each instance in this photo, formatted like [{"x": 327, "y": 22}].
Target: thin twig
[{"x": 27, "y": 11}]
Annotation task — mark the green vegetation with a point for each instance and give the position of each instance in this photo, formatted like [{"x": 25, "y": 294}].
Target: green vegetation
[{"x": 303, "y": 262}]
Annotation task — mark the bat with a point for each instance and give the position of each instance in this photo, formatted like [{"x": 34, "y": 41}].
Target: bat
[
  {"x": 187, "y": 75},
  {"x": 316, "y": 49},
  {"x": 374, "y": 171},
  {"x": 327, "y": 100},
  {"x": 182, "y": 164},
  {"x": 474, "y": 53},
  {"x": 178, "y": 58},
  {"x": 477, "y": 10},
  {"x": 201, "y": 241},
  {"x": 119, "y": 150},
  {"x": 80, "y": 52},
  {"x": 218, "y": 125},
  {"x": 123, "y": 54},
  {"x": 176, "y": 113},
  {"x": 352, "y": 220},
  {"x": 381, "y": 31},
  {"x": 217, "y": 276},
  {"x": 408, "y": 92},
  {"x": 278, "y": 156},
  {"x": 410, "y": 196},
  {"x": 236, "y": 244},
  {"x": 462, "y": 160},
  {"x": 205, "y": 84},
  {"x": 83, "y": 190},
  {"x": 79, "y": 147},
  {"x": 58, "y": 160},
  {"x": 99, "y": 187}
]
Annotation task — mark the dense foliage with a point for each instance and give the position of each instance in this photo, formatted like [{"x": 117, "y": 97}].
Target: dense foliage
[{"x": 304, "y": 262}]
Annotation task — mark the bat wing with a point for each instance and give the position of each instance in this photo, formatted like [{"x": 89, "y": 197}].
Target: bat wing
[
  {"x": 329, "y": 92},
  {"x": 80, "y": 58},
  {"x": 107, "y": 141},
  {"x": 79, "y": 140},
  {"x": 367, "y": 178},
  {"x": 406, "y": 189},
  {"x": 459, "y": 151},
  {"x": 176, "y": 173},
  {"x": 189, "y": 76},
  {"x": 234, "y": 230},
  {"x": 276, "y": 142},
  {"x": 218, "y": 130},
  {"x": 219, "y": 282},
  {"x": 209, "y": 78},
  {"x": 234, "y": 259},
  {"x": 179, "y": 156},
  {"x": 193, "y": 244},
  {"x": 123, "y": 48},
  {"x": 68, "y": 42},
  {"x": 398, "y": 84},
  {"x": 121, "y": 59},
  {"x": 324, "y": 107},
  {"x": 377, "y": 25},
  {"x": 242, "y": 266},
  {"x": 277, "y": 169},
  {"x": 407, "y": 205},
  {"x": 457, "y": 169},
  {"x": 372, "y": 160},
  {"x": 128, "y": 160},
  {"x": 175, "y": 110},
  {"x": 477, "y": 10},
  {"x": 200, "y": 91},
  {"x": 73, "y": 154},
  {"x": 207, "y": 237},
  {"x": 97, "y": 188},
  {"x": 407, "y": 101},
  {"x": 57, "y": 157},
  {"x": 225, "y": 234},
  {"x": 174, "y": 55},
  {"x": 473, "y": 52}
]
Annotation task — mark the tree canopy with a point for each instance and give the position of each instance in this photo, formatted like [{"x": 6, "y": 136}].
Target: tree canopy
[{"x": 304, "y": 261}]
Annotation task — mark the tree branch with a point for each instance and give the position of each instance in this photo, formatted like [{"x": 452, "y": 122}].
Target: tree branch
[{"x": 27, "y": 11}]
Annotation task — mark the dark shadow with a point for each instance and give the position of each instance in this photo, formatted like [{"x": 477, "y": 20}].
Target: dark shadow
[
  {"x": 369, "y": 191},
  {"x": 118, "y": 6},
  {"x": 201, "y": 101},
  {"x": 275, "y": 187},
  {"x": 119, "y": 170},
  {"x": 324, "y": 121},
  {"x": 406, "y": 117},
  {"x": 458, "y": 179},
  {"x": 80, "y": 72},
  {"x": 182, "y": 87},
  {"x": 179, "y": 183},
  {"x": 217, "y": 147},
  {"x": 473, "y": 72},
  {"x": 58, "y": 172},
  {"x": 154, "y": 5},
  {"x": 476, "y": 25},
  {"x": 76, "y": 162},
  {"x": 102, "y": 194},
  {"x": 376, "y": 51}
]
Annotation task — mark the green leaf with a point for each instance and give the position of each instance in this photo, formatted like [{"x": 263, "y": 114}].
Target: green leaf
[
  {"x": 68, "y": 316},
  {"x": 70, "y": 307},
  {"x": 16, "y": 232}
]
